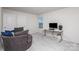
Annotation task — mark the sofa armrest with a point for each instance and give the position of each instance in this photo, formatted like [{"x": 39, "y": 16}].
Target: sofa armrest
[
  {"x": 29, "y": 38},
  {"x": 15, "y": 43}
]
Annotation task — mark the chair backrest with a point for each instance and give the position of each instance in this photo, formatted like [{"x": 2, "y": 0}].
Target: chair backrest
[{"x": 60, "y": 27}]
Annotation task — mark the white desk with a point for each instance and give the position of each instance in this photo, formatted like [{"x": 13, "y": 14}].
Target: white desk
[{"x": 54, "y": 32}]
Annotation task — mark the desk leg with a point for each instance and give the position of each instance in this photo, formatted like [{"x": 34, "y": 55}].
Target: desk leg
[
  {"x": 61, "y": 38},
  {"x": 44, "y": 32}
]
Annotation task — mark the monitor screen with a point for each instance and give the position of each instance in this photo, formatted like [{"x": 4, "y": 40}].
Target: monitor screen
[{"x": 52, "y": 25}]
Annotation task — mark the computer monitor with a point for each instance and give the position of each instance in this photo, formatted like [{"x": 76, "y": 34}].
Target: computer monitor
[{"x": 53, "y": 25}]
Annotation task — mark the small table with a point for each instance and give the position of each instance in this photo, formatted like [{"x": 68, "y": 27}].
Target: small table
[{"x": 58, "y": 33}]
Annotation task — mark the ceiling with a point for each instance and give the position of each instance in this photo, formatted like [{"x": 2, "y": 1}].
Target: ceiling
[{"x": 35, "y": 10}]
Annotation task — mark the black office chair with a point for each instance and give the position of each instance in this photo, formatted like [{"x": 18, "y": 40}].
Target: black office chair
[
  {"x": 60, "y": 27},
  {"x": 60, "y": 33}
]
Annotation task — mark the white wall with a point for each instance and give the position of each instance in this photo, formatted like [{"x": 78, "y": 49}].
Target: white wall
[
  {"x": 69, "y": 18},
  {"x": 0, "y": 20},
  {"x": 19, "y": 19}
]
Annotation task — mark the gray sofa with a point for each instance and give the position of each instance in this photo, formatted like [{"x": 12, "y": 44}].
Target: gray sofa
[{"x": 21, "y": 41}]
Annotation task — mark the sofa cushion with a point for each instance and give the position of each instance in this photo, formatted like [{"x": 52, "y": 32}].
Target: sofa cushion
[
  {"x": 21, "y": 33},
  {"x": 7, "y": 33},
  {"x": 18, "y": 29}
]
